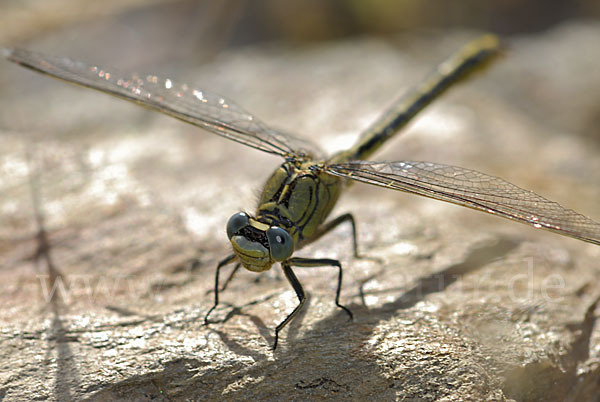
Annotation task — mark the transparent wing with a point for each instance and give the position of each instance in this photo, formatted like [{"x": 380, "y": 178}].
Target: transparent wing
[
  {"x": 212, "y": 112},
  {"x": 472, "y": 189}
]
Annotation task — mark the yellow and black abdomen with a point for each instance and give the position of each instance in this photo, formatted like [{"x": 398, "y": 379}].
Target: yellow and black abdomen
[{"x": 298, "y": 197}]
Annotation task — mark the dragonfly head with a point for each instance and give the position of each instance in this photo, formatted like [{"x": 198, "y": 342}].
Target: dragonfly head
[{"x": 258, "y": 245}]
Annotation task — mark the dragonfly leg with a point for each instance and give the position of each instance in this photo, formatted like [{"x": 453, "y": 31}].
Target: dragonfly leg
[
  {"x": 228, "y": 260},
  {"x": 308, "y": 262},
  {"x": 229, "y": 278},
  {"x": 291, "y": 277},
  {"x": 320, "y": 262},
  {"x": 329, "y": 226}
]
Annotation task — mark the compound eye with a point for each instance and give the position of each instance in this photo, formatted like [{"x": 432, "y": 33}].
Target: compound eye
[
  {"x": 280, "y": 243},
  {"x": 237, "y": 222}
]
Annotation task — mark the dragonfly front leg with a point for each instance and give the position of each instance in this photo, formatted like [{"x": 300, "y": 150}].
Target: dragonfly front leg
[
  {"x": 221, "y": 264},
  {"x": 229, "y": 278},
  {"x": 291, "y": 277}
]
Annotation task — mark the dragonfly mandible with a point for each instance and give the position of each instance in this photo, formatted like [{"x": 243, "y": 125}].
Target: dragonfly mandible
[{"x": 300, "y": 194}]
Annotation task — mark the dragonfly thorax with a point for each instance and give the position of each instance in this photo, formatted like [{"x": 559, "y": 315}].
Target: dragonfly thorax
[
  {"x": 258, "y": 245},
  {"x": 298, "y": 197}
]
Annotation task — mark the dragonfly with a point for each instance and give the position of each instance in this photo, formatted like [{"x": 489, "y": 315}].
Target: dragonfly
[{"x": 300, "y": 194}]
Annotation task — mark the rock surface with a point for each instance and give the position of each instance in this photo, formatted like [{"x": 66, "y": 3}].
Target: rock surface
[{"x": 107, "y": 302}]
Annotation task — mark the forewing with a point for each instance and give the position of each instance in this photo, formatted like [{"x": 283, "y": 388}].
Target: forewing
[
  {"x": 472, "y": 189},
  {"x": 212, "y": 112}
]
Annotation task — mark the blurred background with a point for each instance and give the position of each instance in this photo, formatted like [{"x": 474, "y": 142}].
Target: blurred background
[
  {"x": 163, "y": 35},
  {"x": 237, "y": 22}
]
